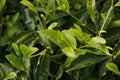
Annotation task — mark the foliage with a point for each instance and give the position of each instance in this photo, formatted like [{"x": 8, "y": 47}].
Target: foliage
[{"x": 59, "y": 40}]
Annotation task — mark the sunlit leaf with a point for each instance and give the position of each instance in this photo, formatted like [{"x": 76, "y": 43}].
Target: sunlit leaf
[
  {"x": 53, "y": 25},
  {"x": 2, "y": 3},
  {"x": 69, "y": 51},
  {"x": 10, "y": 76},
  {"x": 16, "y": 48},
  {"x": 117, "y": 4},
  {"x": 28, "y": 51},
  {"x": 97, "y": 40},
  {"x": 28, "y": 4},
  {"x": 15, "y": 61},
  {"x": 112, "y": 67},
  {"x": 69, "y": 39}
]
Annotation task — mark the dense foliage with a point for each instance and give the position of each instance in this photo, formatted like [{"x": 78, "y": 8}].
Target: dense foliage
[{"x": 59, "y": 39}]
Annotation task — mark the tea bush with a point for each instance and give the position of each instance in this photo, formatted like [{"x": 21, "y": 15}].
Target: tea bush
[{"x": 59, "y": 39}]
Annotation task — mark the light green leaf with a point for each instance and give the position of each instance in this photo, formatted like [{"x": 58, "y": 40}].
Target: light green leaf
[
  {"x": 28, "y": 4},
  {"x": 15, "y": 61},
  {"x": 33, "y": 49},
  {"x": 63, "y": 5},
  {"x": 1, "y": 73},
  {"x": 15, "y": 17},
  {"x": 51, "y": 35},
  {"x": 53, "y": 25},
  {"x": 112, "y": 67},
  {"x": 54, "y": 36},
  {"x": 10, "y": 76},
  {"x": 42, "y": 2},
  {"x": 69, "y": 51},
  {"x": 16, "y": 48},
  {"x": 85, "y": 60},
  {"x": 97, "y": 40},
  {"x": 69, "y": 39},
  {"x": 117, "y": 4},
  {"x": 76, "y": 33},
  {"x": 100, "y": 47},
  {"x": 77, "y": 27},
  {"x": 2, "y": 3},
  {"x": 28, "y": 51}
]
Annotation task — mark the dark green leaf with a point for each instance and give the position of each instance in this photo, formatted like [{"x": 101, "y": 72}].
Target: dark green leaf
[
  {"x": 43, "y": 68},
  {"x": 85, "y": 60}
]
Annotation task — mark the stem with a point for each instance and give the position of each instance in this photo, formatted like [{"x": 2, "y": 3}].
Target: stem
[
  {"x": 41, "y": 25},
  {"x": 103, "y": 25}
]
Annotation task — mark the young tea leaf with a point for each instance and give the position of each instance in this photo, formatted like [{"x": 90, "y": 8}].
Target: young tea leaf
[
  {"x": 69, "y": 39},
  {"x": 28, "y": 4},
  {"x": 69, "y": 51},
  {"x": 16, "y": 48},
  {"x": 112, "y": 67},
  {"x": 97, "y": 40},
  {"x": 15, "y": 61}
]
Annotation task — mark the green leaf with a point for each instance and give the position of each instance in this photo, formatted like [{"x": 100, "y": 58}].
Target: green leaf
[
  {"x": 76, "y": 33},
  {"x": 16, "y": 48},
  {"x": 85, "y": 60},
  {"x": 77, "y": 27},
  {"x": 15, "y": 61},
  {"x": 117, "y": 4},
  {"x": 63, "y": 5},
  {"x": 28, "y": 4},
  {"x": 55, "y": 36},
  {"x": 6, "y": 68},
  {"x": 90, "y": 7},
  {"x": 28, "y": 51},
  {"x": 51, "y": 35},
  {"x": 23, "y": 36},
  {"x": 10, "y": 32},
  {"x": 4, "y": 41},
  {"x": 53, "y": 25},
  {"x": 97, "y": 40},
  {"x": 69, "y": 51},
  {"x": 69, "y": 39},
  {"x": 10, "y": 76},
  {"x": 101, "y": 47},
  {"x": 42, "y": 2},
  {"x": 51, "y": 8},
  {"x": 30, "y": 19},
  {"x": 42, "y": 69},
  {"x": 1, "y": 73},
  {"x": 112, "y": 67},
  {"x": 2, "y": 3}
]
